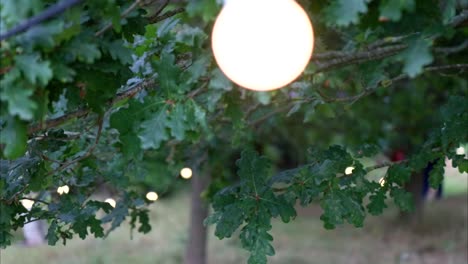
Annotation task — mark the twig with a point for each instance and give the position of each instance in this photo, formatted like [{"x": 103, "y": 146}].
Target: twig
[
  {"x": 161, "y": 8},
  {"x": 389, "y": 82},
  {"x": 270, "y": 114},
  {"x": 50, "y": 12},
  {"x": 451, "y": 50},
  {"x": 168, "y": 14},
  {"x": 87, "y": 154},
  {"x": 458, "y": 19},
  {"x": 123, "y": 15},
  {"x": 33, "y": 199},
  {"x": 359, "y": 57},
  {"x": 84, "y": 111}
]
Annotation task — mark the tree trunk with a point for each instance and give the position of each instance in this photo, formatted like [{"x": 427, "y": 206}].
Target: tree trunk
[
  {"x": 415, "y": 187},
  {"x": 195, "y": 252}
]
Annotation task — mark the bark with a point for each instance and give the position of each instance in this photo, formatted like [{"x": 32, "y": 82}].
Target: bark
[
  {"x": 415, "y": 187},
  {"x": 34, "y": 233},
  {"x": 196, "y": 247}
]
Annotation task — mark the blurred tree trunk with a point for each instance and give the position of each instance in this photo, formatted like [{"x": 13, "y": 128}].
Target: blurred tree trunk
[
  {"x": 34, "y": 233},
  {"x": 415, "y": 187},
  {"x": 195, "y": 252}
]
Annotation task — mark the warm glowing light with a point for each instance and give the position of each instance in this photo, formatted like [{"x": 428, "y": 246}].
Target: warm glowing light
[
  {"x": 262, "y": 44},
  {"x": 111, "y": 202},
  {"x": 186, "y": 173},
  {"x": 28, "y": 204},
  {"x": 63, "y": 189},
  {"x": 460, "y": 151},
  {"x": 382, "y": 182},
  {"x": 152, "y": 196},
  {"x": 349, "y": 170}
]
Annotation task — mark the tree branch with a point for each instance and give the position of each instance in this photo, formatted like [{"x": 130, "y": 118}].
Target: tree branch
[
  {"x": 459, "y": 19},
  {"x": 168, "y": 14},
  {"x": 123, "y": 15},
  {"x": 87, "y": 154},
  {"x": 358, "y": 57},
  {"x": 50, "y": 12},
  {"x": 55, "y": 122},
  {"x": 389, "y": 82}
]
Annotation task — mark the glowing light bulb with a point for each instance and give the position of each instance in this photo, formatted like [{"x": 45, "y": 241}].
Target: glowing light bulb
[
  {"x": 63, "y": 189},
  {"x": 349, "y": 170},
  {"x": 382, "y": 181},
  {"x": 111, "y": 202},
  {"x": 460, "y": 150},
  {"x": 262, "y": 45},
  {"x": 186, "y": 173},
  {"x": 28, "y": 204},
  {"x": 152, "y": 196}
]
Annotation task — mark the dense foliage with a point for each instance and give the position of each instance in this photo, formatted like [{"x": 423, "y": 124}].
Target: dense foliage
[{"x": 124, "y": 94}]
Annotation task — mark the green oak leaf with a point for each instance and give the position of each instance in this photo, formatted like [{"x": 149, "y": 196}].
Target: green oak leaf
[
  {"x": 392, "y": 9},
  {"x": 403, "y": 199},
  {"x": 17, "y": 96},
  {"x": 178, "y": 122},
  {"x": 399, "y": 174},
  {"x": 34, "y": 69},
  {"x": 416, "y": 57},
  {"x": 345, "y": 12},
  {"x": 153, "y": 131},
  {"x": 14, "y": 136},
  {"x": 377, "y": 203}
]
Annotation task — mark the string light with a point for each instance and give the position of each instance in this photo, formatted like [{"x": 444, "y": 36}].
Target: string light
[
  {"x": 262, "y": 45},
  {"x": 186, "y": 173},
  {"x": 152, "y": 196},
  {"x": 349, "y": 170},
  {"x": 111, "y": 202},
  {"x": 63, "y": 189},
  {"x": 382, "y": 181}
]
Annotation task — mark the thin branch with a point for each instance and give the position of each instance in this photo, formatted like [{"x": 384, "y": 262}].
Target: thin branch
[
  {"x": 166, "y": 15},
  {"x": 161, "y": 8},
  {"x": 270, "y": 114},
  {"x": 55, "y": 122},
  {"x": 123, "y": 15},
  {"x": 87, "y": 154},
  {"x": 451, "y": 50},
  {"x": 359, "y": 57},
  {"x": 47, "y": 14},
  {"x": 34, "y": 199},
  {"x": 459, "y": 19},
  {"x": 389, "y": 82}
]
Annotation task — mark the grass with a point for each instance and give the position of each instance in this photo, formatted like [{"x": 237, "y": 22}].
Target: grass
[{"x": 441, "y": 237}]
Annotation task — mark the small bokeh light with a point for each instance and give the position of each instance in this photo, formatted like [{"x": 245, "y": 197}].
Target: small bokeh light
[
  {"x": 111, "y": 202},
  {"x": 186, "y": 173},
  {"x": 63, "y": 189},
  {"x": 349, "y": 170},
  {"x": 28, "y": 204},
  {"x": 152, "y": 196},
  {"x": 460, "y": 150},
  {"x": 382, "y": 181}
]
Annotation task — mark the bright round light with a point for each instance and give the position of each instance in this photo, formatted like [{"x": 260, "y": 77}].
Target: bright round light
[
  {"x": 63, "y": 189},
  {"x": 262, "y": 44},
  {"x": 349, "y": 170},
  {"x": 111, "y": 202},
  {"x": 186, "y": 173},
  {"x": 152, "y": 196}
]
